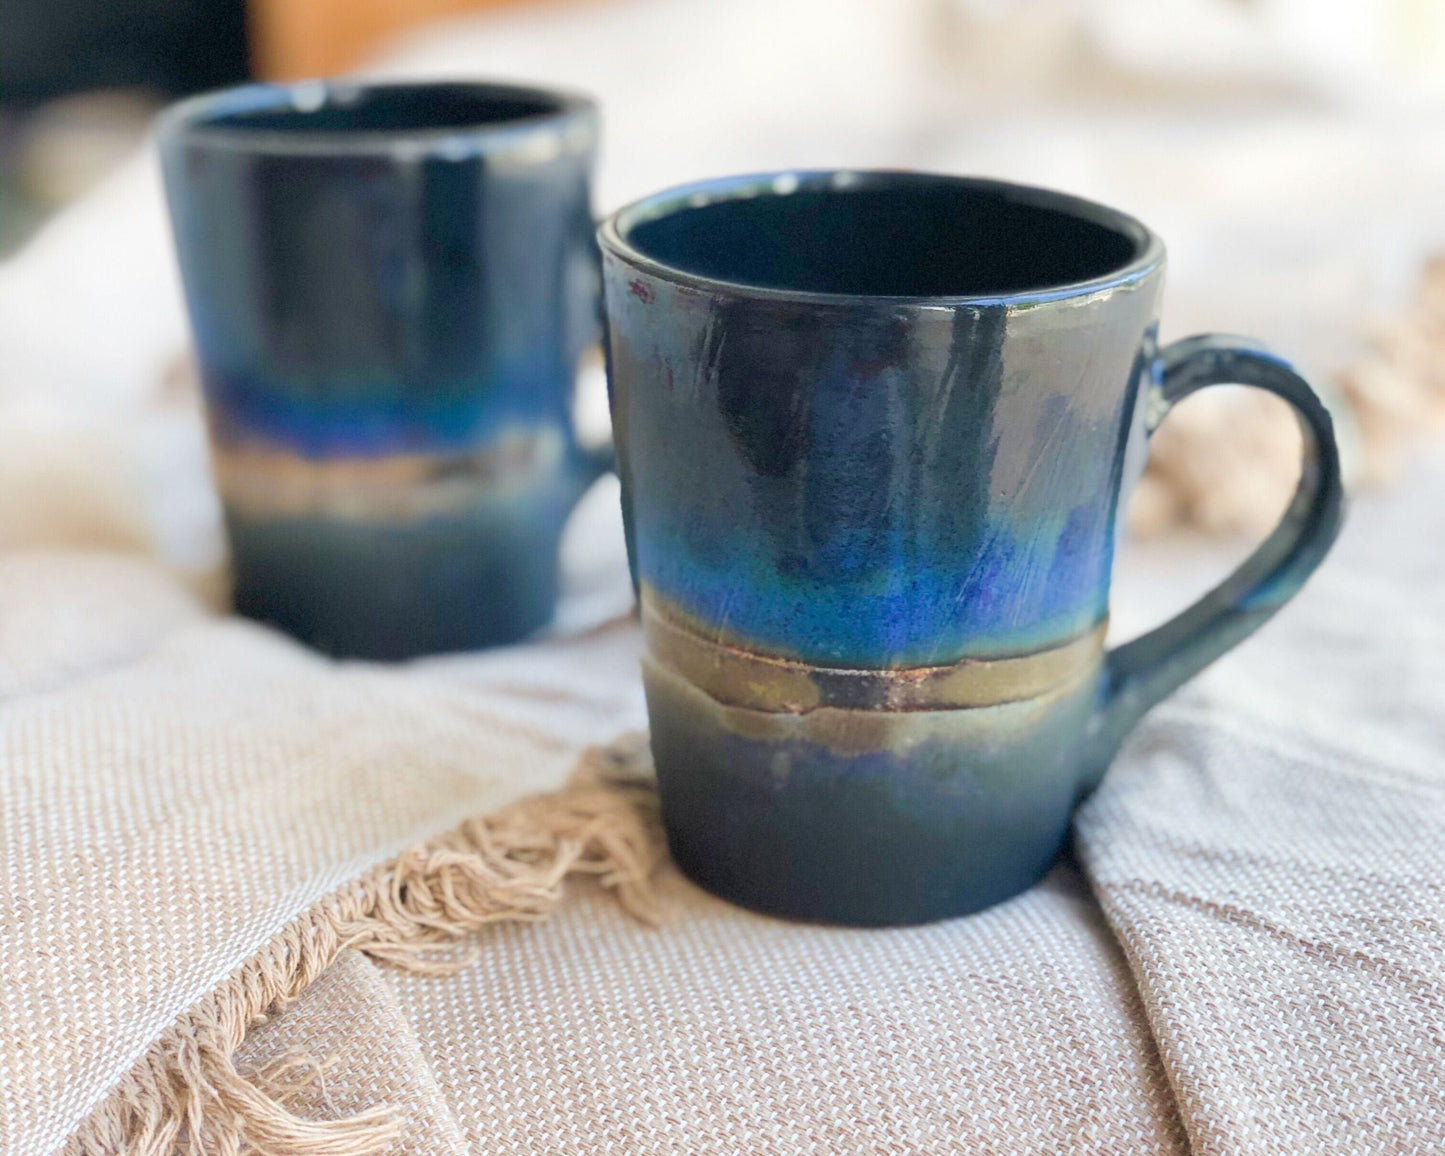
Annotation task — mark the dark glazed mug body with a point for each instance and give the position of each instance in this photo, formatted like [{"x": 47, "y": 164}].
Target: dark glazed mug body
[
  {"x": 873, "y": 432},
  {"x": 390, "y": 289}
]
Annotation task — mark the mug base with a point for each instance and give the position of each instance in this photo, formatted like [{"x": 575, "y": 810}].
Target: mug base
[
  {"x": 865, "y": 817},
  {"x": 390, "y": 592}
]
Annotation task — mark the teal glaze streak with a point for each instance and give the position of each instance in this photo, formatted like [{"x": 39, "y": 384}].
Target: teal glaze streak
[{"x": 1140, "y": 673}]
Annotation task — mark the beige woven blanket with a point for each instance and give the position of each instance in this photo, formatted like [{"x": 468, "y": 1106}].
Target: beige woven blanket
[{"x": 248, "y": 902}]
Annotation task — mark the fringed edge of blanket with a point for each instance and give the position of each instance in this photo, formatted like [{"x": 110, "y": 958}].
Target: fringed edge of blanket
[{"x": 186, "y": 1095}]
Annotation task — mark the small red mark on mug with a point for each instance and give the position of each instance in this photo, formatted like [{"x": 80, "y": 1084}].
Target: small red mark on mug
[{"x": 641, "y": 291}]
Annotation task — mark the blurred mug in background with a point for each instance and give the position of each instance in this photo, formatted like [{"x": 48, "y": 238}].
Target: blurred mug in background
[{"x": 391, "y": 288}]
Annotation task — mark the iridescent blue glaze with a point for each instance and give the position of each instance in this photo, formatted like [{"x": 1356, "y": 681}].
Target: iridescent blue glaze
[
  {"x": 390, "y": 288},
  {"x": 860, "y": 485},
  {"x": 873, "y": 433}
]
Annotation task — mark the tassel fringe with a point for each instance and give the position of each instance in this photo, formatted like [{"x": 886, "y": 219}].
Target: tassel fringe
[{"x": 186, "y": 1095}]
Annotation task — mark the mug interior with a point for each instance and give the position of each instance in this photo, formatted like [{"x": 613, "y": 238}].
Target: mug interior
[
  {"x": 883, "y": 234},
  {"x": 319, "y": 107}
]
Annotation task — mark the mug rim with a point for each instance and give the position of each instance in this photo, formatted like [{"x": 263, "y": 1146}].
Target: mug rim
[
  {"x": 199, "y": 119},
  {"x": 613, "y": 234}
]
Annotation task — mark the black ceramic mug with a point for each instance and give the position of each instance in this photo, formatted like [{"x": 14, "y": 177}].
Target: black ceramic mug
[
  {"x": 873, "y": 432},
  {"x": 390, "y": 288}
]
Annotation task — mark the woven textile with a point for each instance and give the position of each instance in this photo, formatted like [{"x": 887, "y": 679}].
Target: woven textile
[
  {"x": 177, "y": 788},
  {"x": 1016, "y": 1031},
  {"x": 1261, "y": 971},
  {"x": 1270, "y": 849},
  {"x": 724, "y": 1031},
  {"x": 360, "y": 1068}
]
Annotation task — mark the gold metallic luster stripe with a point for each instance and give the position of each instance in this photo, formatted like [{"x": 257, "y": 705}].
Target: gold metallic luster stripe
[
  {"x": 739, "y": 677},
  {"x": 270, "y": 481}
]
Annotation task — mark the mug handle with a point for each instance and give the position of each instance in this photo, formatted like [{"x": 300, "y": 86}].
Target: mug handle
[
  {"x": 593, "y": 462},
  {"x": 1140, "y": 673}
]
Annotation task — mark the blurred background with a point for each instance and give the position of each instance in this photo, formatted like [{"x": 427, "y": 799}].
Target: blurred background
[{"x": 1291, "y": 153}]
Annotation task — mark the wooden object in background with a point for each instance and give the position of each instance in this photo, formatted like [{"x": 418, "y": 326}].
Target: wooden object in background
[{"x": 292, "y": 39}]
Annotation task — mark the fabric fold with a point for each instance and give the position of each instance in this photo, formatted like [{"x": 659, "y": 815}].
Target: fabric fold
[
  {"x": 188, "y": 1095},
  {"x": 1269, "y": 851},
  {"x": 180, "y": 789}
]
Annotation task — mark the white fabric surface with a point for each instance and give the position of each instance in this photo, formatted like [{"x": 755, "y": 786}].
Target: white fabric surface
[
  {"x": 1267, "y": 853},
  {"x": 1269, "y": 850}
]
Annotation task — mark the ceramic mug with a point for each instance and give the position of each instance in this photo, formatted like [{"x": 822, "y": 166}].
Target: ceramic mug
[
  {"x": 873, "y": 431},
  {"x": 390, "y": 288}
]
